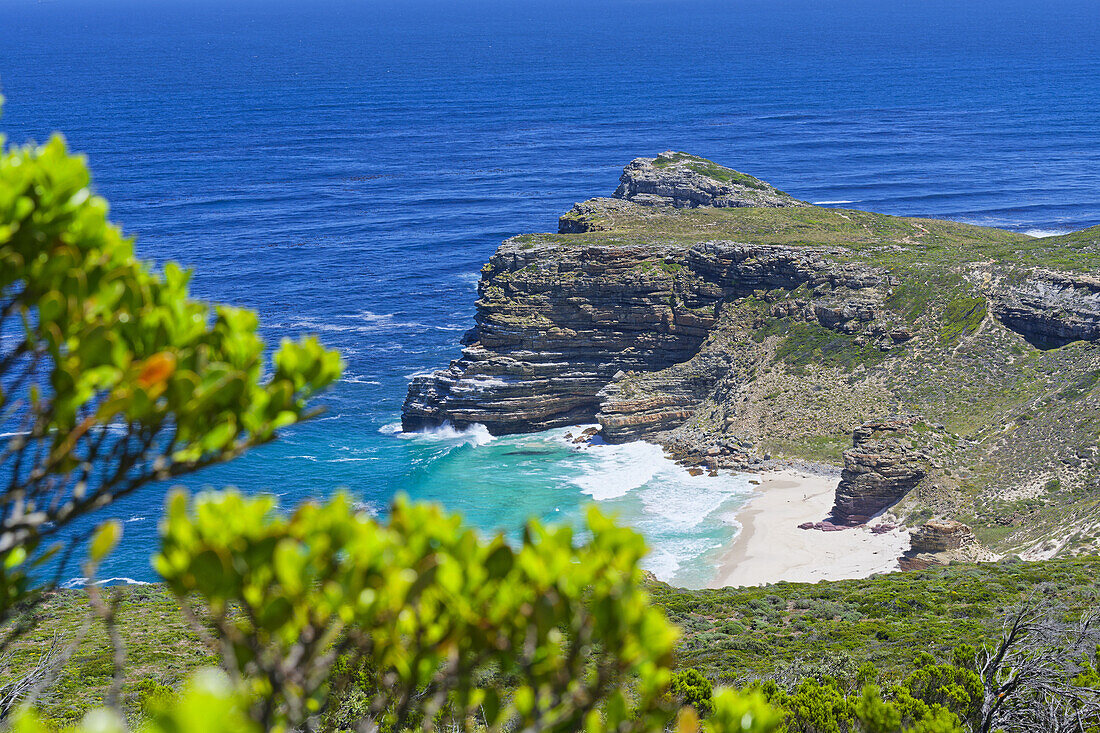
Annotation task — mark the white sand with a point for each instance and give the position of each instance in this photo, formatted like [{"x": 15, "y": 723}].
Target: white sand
[{"x": 771, "y": 547}]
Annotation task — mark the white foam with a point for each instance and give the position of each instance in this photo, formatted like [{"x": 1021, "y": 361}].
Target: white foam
[
  {"x": 687, "y": 501},
  {"x": 362, "y": 322},
  {"x": 353, "y": 379},
  {"x": 686, "y": 518},
  {"x": 367, "y": 507},
  {"x": 664, "y": 487},
  {"x": 475, "y": 434},
  {"x": 661, "y": 563},
  {"x": 1046, "y": 232},
  {"x": 826, "y": 203},
  {"x": 392, "y": 428},
  {"x": 620, "y": 469},
  {"x": 471, "y": 278},
  {"x": 326, "y": 418},
  {"x": 73, "y": 583}
]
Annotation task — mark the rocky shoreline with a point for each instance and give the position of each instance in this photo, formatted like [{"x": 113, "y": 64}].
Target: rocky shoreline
[{"x": 707, "y": 311}]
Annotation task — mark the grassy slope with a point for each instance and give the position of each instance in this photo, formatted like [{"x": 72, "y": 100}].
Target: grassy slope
[{"x": 892, "y": 241}]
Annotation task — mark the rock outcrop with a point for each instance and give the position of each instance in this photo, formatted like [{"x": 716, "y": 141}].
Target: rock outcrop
[
  {"x": 937, "y": 542},
  {"x": 596, "y": 215},
  {"x": 940, "y": 535},
  {"x": 881, "y": 467},
  {"x": 1049, "y": 308},
  {"x": 554, "y": 324},
  {"x": 686, "y": 181}
]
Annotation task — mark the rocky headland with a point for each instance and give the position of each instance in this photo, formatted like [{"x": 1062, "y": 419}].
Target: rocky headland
[{"x": 951, "y": 369}]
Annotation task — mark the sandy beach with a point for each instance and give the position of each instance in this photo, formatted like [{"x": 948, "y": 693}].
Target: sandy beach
[{"x": 771, "y": 547}]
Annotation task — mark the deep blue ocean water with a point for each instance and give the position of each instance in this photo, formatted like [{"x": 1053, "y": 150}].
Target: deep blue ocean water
[{"x": 345, "y": 168}]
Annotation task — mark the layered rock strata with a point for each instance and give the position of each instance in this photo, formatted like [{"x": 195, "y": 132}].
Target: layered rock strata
[
  {"x": 881, "y": 467},
  {"x": 1049, "y": 308},
  {"x": 556, "y": 324},
  {"x": 937, "y": 542},
  {"x": 940, "y": 535}
]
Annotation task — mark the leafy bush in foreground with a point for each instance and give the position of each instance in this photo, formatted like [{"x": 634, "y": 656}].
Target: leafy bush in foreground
[
  {"x": 111, "y": 377},
  {"x": 428, "y": 606},
  {"x": 437, "y": 627}
]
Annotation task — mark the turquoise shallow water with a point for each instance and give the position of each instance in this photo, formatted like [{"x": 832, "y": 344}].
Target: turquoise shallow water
[
  {"x": 345, "y": 167},
  {"x": 498, "y": 482}
]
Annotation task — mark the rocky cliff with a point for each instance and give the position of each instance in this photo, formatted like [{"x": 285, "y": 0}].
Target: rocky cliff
[
  {"x": 710, "y": 312},
  {"x": 1050, "y": 308}
]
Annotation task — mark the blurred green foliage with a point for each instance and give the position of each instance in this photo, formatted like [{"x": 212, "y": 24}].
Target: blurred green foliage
[{"x": 429, "y": 606}]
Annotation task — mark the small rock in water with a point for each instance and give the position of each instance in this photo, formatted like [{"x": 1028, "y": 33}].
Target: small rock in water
[
  {"x": 695, "y": 471},
  {"x": 806, "y": 525}
]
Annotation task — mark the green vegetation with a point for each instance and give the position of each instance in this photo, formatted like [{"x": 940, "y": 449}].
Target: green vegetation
[
  {"x": 961, "y": 317},
  {"x": 904, "y": 243},
  {"x": 805, "y": 344},
  {"x": 429, "y": 606},
  {"x": 162, "y": 650},
  {"x": 1081, "y": 386},
  {"x": 328, "y": 618},
  {"x": 858, "y": 231},
  {"x": 112, "y": 376},
  {"x": 880, "y": 648},
  {"x": 710, "y": 169},
  {"x": 736, "y": 635}
]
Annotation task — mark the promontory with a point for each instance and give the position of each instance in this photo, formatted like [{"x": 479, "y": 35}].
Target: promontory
[{"x": 952, "y": 370}]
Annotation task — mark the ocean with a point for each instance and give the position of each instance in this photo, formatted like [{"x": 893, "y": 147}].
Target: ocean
[{"x": 345, "y": 167}]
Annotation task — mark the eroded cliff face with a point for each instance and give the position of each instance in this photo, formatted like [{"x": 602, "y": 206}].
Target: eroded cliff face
[
  {"x": 554, "y": 324},
  {"x": 940, "y": 541},
  {"x": 558, "y": 324},
  {"x": 732, "y": 323},
  {"x": 1049, "y": 308}
]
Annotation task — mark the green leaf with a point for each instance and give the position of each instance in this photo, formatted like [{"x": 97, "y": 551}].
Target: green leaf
[{"x": 104, "y": 540}]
